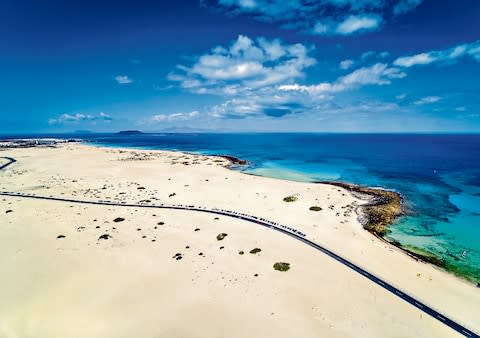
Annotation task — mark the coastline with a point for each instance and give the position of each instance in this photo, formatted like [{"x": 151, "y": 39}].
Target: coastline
[
  {"x": 118, "y": 174},
  {"x": 383, "y": 208}
]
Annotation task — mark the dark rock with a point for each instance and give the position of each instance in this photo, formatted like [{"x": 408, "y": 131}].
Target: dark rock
[{"x": 221, "y": 236}]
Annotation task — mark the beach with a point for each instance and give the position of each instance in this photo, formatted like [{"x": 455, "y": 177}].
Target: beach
[{"x": 77, "y": 270}]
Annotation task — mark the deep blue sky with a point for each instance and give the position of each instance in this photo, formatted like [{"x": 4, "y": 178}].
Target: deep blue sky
[{"x": 243, "y": 65}]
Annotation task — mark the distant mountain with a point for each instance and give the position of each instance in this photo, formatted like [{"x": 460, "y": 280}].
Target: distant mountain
[{"x": 129, "y": 132}]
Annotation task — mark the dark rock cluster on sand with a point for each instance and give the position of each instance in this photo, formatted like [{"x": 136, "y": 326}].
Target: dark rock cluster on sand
[{"x": 383, "y": 209}]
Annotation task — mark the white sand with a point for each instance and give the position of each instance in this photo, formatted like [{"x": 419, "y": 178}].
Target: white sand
[{"x": 130, "y": 286}]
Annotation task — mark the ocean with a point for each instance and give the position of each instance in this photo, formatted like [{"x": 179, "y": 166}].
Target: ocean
[{"x": 437, "y": 175}]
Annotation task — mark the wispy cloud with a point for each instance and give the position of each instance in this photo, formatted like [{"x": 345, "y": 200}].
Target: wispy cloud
[
  {"x": 123, "y": 79},
  {"x": 322, "y": 17},
  {"x": 446, "y": 55},
  {"x": 378, "y": 74},
  {"x": 364, "y": 57},
  {"x": 346, "y": 64},
  {"x": 405, "y": 6},
  {"x": 358, "y": 23},
  {"x": 427, "y": 100},
  {"x": 79, "y": 117},
  {"x": 174, "y": 117}
]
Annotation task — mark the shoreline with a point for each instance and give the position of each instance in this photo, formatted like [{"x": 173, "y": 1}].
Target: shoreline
[{"x": 383, "y": 208}]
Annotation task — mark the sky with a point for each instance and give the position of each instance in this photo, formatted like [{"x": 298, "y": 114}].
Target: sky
[{"x": 240, "y": 65}]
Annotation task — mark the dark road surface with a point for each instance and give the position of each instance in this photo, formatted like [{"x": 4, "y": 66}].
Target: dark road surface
[{"x": 277, "y": 227}]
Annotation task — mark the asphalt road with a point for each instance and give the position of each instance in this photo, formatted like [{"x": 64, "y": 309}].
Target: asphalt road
[
  {"x": 10, "y": 161},
  {"x": 289, "y": 231}
]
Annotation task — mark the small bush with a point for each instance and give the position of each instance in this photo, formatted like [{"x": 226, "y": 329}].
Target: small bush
[
  {"x": 119, "y": 219},
  {"x": 315, "y": 208},
  {"x": 291, "y": 198},
  {"x": 221, "y": 236},
  {"x": 281, "y": 266},
  {"x": 254, "y": 251}
]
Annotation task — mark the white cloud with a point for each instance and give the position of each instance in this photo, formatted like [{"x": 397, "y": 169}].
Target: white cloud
[
  {"x": 418, "y": 59},
  {"x": 446, "y": 55},
  {"x": 427, "y": 100},
  {"x": 79, "y": 117},
  {"x": 357, "y": 23},
  {"x": 264, "y": 77},
  {"x": 346, "y": 64},
  {"x": 123, "y": 79},
  {"x": 404, "y": 6},
  {"x": 461, "y": 109},
  {"x": 378, "y": 74},
  {"x": 245, "y": 64},
  {"x": 367, "y": 54},
  {"x": 174, "y": 117}
]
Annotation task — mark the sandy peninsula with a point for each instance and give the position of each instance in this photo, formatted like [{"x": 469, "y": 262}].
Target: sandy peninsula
[{"x": 79, "y": 270}]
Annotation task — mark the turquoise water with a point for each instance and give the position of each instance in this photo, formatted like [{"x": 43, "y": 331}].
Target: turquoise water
[{"x": 437, "y": 175}]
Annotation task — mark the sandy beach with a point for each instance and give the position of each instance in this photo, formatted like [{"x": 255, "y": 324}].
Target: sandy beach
[{"x": 76, "y": 270}]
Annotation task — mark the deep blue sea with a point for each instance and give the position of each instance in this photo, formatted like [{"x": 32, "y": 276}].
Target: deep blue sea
[{"x": 438, "y": 176}]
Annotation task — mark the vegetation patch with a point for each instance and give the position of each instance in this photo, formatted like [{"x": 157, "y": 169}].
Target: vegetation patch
[
  {"x": 281, "y": 266},
  {"x": 291, "y": 198},
  {"x": 119, "y": 219},
  {"x": 315, "y": 208},
  {"x": 105, "y": 237},
  {"x": 241, "y": 252},
  {"x": 221, "y": 236},
  {"x": 255, "y": 251},
  {"x": 60, "y": 236}
]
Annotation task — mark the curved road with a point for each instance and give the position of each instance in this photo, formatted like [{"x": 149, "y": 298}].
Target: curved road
[
  {"x": 277, "y": 227},
  {"x": 10, "y": 161}
]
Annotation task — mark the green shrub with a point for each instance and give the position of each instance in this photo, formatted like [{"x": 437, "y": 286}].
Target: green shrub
[
  {"x": 281, "y": 266},
  {"x": 291, "y": 198}
]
